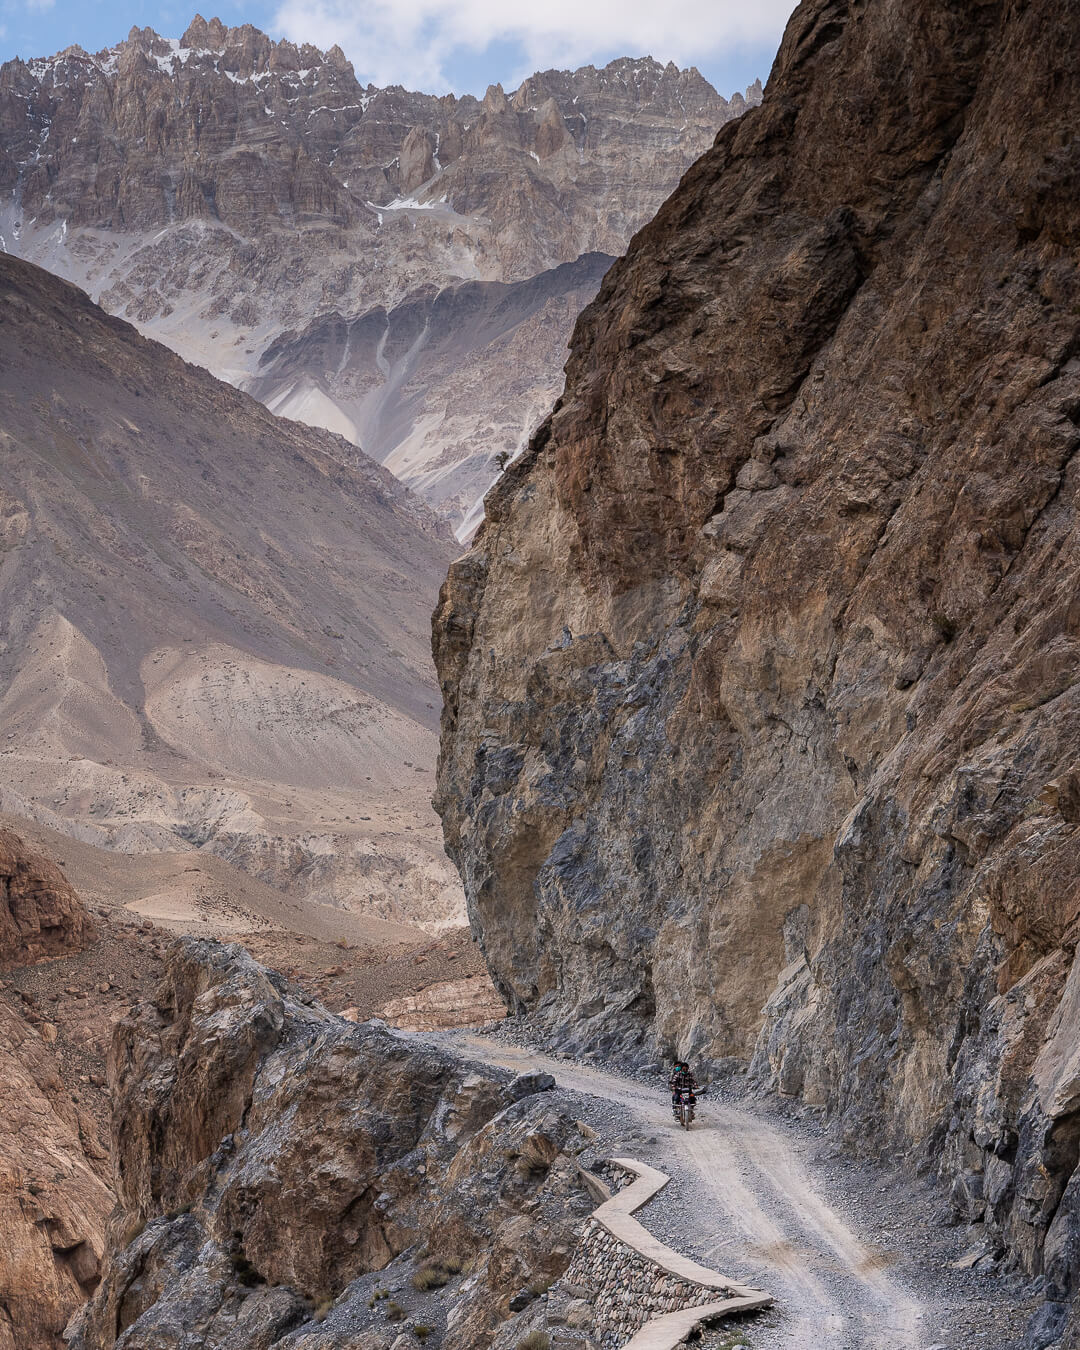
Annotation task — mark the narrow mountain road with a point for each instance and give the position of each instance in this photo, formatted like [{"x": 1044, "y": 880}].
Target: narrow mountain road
[{"x": 754, "y": 1211}]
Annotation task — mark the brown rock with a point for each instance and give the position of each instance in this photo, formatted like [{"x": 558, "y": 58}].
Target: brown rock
[
  {"x": 760, "y": 683},
  {"x": 470, "y": 1002},
  {"x": 54, "y": 1199},
  {"x": 40, "y": 914},
  {"x": 358, "y": 1144}
]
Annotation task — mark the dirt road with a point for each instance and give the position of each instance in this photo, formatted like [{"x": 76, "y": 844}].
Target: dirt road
[{"x": 752, "y": 1210}]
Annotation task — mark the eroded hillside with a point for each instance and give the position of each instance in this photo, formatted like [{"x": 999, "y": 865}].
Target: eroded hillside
[
  {"x": 760, "y": 737},
  {"x": 213, "y": 621}
]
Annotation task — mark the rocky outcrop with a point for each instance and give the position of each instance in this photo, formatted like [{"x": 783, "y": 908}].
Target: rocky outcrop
[
  {"x": 54, "y": 1193},
  {"x": 760, "y": 681},
  {"x": 223, "y": 190},
  {"x": 281, "y": 1172},
  {"x": 40, "y": 913},
  {"x": 469, "y": 1002}
]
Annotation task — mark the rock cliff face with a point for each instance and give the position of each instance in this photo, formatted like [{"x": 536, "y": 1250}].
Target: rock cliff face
[
  {"x": 279, "y": 1169},
  {"x": 223, "y": 190},
  {"x": 54, "y": 1192},
  {"x": 761, "y": 734},
  {"x": 40, "y": 914}
]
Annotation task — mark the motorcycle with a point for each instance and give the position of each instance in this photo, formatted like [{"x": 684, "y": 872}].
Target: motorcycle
[{"x": 685, "y": 1103}]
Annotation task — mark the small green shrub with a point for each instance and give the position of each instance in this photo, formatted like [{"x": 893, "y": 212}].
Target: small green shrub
[
  {"x": 395, "y": 1312},
  {"x": 422, "y": 1332},
  {"x": 535, "y": 1340}
]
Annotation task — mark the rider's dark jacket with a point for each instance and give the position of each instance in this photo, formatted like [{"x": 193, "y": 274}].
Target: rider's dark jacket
[{"x": 682, "y": 1079}]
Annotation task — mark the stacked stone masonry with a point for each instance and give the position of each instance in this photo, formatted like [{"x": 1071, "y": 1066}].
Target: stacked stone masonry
[{"x": 627, "y": 1290}]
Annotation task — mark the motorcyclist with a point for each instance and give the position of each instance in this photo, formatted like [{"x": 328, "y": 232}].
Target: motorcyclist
[{"x": 682, "y": 1080}]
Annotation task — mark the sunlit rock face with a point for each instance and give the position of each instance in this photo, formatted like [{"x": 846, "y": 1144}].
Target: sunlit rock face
[
  {"x": 760, "y": 736},
  {"x": 239, "y": 198}
]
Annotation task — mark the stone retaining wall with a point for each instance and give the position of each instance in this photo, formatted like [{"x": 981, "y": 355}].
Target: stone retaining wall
[{"x": 626, "y": 1289}]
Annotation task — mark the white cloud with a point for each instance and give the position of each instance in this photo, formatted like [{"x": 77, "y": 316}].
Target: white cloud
[{"x": 413, "y": 42}]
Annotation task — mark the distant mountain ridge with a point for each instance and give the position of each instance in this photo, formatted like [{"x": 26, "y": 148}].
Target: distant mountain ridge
[{"x": 221, "y": 190}]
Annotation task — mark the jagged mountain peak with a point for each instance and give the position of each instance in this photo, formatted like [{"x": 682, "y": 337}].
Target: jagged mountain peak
[{"x": 223, "y": 190}]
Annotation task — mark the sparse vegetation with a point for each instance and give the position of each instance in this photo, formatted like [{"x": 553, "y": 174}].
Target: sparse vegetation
[
  {"x": 540, "y": 1286},
  {"x": 395, "y": 1312},
  {"x": 452, "y": 1262},
  {"x": 535, "y": 1340},
  {"x": 430, "y": 1277},
  {"x": 132, "y": 1230},
  {"x": 421, "y": 1331}
]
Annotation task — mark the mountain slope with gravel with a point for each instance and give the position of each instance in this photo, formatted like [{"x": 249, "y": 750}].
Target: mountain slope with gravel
[{"x": 214, "y": 622}]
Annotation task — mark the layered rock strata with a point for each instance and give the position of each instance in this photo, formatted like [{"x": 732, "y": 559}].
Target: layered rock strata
[
  {"x": 760, "y": 681},
  {"x": 233, "y": 196},
  {"x": 282, "y": 1173},
  {"x": 468, "y": 1002}
]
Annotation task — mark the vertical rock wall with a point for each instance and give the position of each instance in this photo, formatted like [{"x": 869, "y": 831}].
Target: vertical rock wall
[{"x": 761, "y": 734}]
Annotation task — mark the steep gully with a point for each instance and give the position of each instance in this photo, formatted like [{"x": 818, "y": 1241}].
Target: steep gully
[{"x": 761, "y": 1203}]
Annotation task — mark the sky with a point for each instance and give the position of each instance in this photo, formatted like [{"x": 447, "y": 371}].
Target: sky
[{"x": 440, "y": 46}]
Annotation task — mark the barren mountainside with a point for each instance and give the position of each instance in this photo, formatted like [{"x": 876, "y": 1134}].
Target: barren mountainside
[
  {"x": 761, "y": 736},
  {"x": 213, "y": 621},
  {"x": 225, "y": 192}
]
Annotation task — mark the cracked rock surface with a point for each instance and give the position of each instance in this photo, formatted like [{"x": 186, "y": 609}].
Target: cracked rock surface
[
  {"x": 760, "y": 737},
  {"x": 282, "y": 1172}
]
